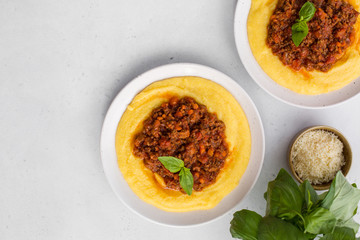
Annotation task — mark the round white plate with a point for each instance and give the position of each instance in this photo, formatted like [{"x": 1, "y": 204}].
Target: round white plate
[
  {"x": 274, "y": 89},
  {"x": 109, "y": 159}
]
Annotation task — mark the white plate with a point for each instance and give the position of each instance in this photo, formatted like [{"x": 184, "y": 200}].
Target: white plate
[
  {"x": 274, "y": 89},
  {"x": 109, "y": 159}
]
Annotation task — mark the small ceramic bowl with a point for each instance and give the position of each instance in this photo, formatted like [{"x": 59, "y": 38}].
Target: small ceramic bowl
[{"x": 346, "y": 151}]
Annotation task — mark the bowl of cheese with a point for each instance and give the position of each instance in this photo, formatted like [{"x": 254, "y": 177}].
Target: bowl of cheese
[{"x": 317, "y": 153}]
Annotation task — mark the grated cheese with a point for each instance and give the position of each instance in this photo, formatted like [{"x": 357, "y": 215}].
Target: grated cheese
[{"x": 317, "y": 156}]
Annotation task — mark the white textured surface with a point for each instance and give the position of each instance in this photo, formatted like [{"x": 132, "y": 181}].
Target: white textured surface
[{"x": 62, "y": 63}]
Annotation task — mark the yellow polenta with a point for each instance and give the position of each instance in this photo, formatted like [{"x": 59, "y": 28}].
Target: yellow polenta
[
  {"x": 217, "y": 99},
  {"x": 315, "y": 82}
]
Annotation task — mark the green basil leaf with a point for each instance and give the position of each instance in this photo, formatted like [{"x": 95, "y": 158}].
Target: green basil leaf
[
  {"x": 272, "y": 228},
  {"x": 299, "y": 26},
  {"x": 349, "y": 224},
  {"x": 342, "y": 233},
  {"x": 245, "y": 225},
  {"x": 172, "y": 164},
  {"x": 307, "y": 11},
  {"x": 321, "y": 220},
  {"x": 310, "y": 235},
  {"x": 284, "y": 199},
  {"x": 328, "y": 197},
  {"x": 322, "y": 196},
  {"x": 355, "y": 211},
  {"x": 186, "y": 180},
  {"x": 345, "y": 200},
  {"x": 299, "y": 32},
  {"x": 310, "y": 195}
]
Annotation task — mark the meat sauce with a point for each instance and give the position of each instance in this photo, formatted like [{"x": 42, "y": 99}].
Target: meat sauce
[
  {"x": 331, "y": 31},
  {"x": 184, "y": 129}
]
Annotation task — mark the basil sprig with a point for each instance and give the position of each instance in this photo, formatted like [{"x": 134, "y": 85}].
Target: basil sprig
[
  {"x": 298, "y": 212},
  {"x": 300, "y": 29},
  {"x": 175, "y": 165}
]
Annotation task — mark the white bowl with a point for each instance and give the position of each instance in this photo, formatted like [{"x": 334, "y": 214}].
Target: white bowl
[
  {"x": 109, "y": 159},
  {"x": 270, "y": 86}
]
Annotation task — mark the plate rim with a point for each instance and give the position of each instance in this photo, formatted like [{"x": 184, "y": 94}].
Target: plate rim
[
  {"x": 248, "y": 60},
  {"x": 198, "y": 68}
]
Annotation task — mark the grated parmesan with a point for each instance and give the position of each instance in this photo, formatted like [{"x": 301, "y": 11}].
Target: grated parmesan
[{"x": 317, "y": 156}]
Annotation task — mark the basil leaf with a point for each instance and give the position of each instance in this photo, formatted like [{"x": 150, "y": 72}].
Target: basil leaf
[
  {"x": 299, "y": 31},
  {"x": 310, "y": 195},
  {"x": 322, "y": 196},
  {"x": 284, "y": 199},
  {"x": 349, "y": 224},
  {"x": 272, "y": 228},
  {"x": 172, "y": 164},
  {"x": 307, "y": 11},
  {"x": 186, "y": 180},
  {"x": 329, "y": 196},
  {"x": 340, "y": 233},
  {"x": 310, "y": 235},
  {"x": 321, "y": 220},
  {"x": 245, "y": 225},
  {"x": 299, "y": 26},
  {"x": 346, "y": 198}
]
